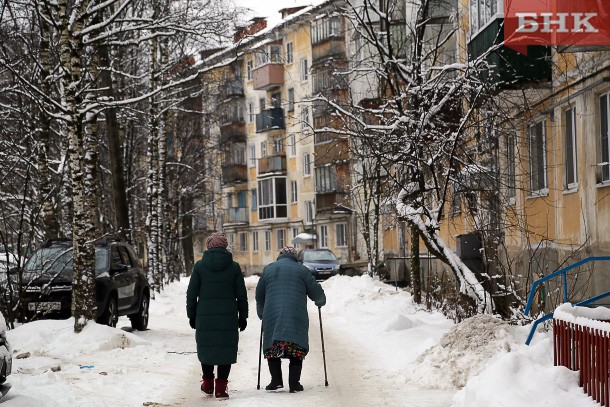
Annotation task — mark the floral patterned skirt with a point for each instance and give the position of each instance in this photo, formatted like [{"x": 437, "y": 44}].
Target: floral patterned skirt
[{"x": 281, "y": 349}]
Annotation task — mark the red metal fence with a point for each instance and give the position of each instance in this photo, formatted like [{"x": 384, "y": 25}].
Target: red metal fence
[{"x": 586, "y": 350}]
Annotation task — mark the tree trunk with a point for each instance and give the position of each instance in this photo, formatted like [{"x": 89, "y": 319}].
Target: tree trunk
[
  {"x": 187, "y": 232},
  {"x": 415, "y": 266}
]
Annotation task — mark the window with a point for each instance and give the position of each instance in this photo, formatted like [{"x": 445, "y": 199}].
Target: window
[
  {"x": 325, "y": 28},
  {"x": 276, "y": 100},
  {"x": 239, "y": 154},
  {"x": 272, "y": 200},
  {"x": 280, "y": 240},
  {"x": 604, "y": 116},
  {"x": 306, "y": 164},
  {"x": 261, "y": 104},
  {"x": 278, "y": 145},
  {"x": 456, "y": 201},
  {"x": 263, "y": 149},
  {"x": 252, "y": 155},
  {"x": 289, "y": 53},
  {"x": 305, "y": 118},
  {"x": 254, "y": 241},
  {"x": 292, "y": 142},
  {"x": 249, "y": 70},
  {"x": 537, "y": 157},
  {"x": 323, "y": 236},
  {"x": 293, "y": 191},
  {"x": 308, "y": 211},
  {"x": 253, "y": 200},
  {"x": 291, "y": 100},
  {"x": 481, "y": 12},
  {"x": 511, "y": 176},
  {"x": 267, "y": 240},
  {"x": 295, "y": 233},
  {"x": 251, "y": 112},
  {"x": 231, "y": 242},
  {"x": 570, "y": 137},
  {"x": 243, "y": 242},
  {"x": 341, "y": 234},
  {"x": 326, "y": 179},
  {"x": 304, "y": 70}
]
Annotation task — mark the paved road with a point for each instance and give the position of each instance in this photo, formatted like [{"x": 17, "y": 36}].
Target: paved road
[{"x": 354, "y": 379}]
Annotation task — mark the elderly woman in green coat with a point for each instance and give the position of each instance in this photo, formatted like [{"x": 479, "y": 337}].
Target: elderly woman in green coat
[
  {"x": 281, "y": 302},
  {"x": 217, "y": 306}
]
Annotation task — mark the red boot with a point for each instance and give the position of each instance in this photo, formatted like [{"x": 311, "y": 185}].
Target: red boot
[
  {"x": 207, "y": 384},
  {"x": 221, "y": 391}
]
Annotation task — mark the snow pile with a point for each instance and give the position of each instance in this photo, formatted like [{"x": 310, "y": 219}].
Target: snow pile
[{"x": 462, "y": 352}]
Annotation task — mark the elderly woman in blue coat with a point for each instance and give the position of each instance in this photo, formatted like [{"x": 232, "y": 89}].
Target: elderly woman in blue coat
[{"x": 281, "y": 303}]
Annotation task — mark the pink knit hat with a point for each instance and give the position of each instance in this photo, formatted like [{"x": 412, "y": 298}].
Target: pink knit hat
[{"x": 217, "y": 240}]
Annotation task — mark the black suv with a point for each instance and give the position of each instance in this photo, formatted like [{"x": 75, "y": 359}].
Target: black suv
[{"x": 121, "y": 284}]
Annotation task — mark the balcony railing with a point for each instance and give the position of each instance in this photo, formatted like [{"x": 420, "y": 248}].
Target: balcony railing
[
  {"x": 335, "y": 150},
  {"x": 232, "y": 88},
  {"x": 268, "y": 76},
  {"x": 236, "y": 215},
  {"x": 507, "y": 67},
  {"x": 270, "y": 119},
  {"x": 234, "y": 173},
  {"x": 332, "y": 47},
  {"x": 233, "y": 131},
  {"x": 327, "y": 200},
  {"x": 272, "y": 164}
]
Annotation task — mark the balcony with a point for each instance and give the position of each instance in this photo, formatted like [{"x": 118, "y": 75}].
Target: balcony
[
  {"x": 231, "y": 88},
  {"x": 236, "y": 215},
  {"x": 332, "y": 47},
  {"x": 331, "y": 151},
  {"x": 234, "y": 173},
  {"x": 272, "y": 164},
  {"x": 270, "y": 119},
  {"x": 507, "y": 67},
  {"x": 268, "y": 76},
  {"x": 233, "y": 132},
  {"x": 329, "y": 200}
]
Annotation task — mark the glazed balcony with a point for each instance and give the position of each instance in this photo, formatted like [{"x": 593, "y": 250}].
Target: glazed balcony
[
  {"x": 331, "y": 150},
  {"x": 272, "y": 164},
  {"x": 268, "y": 76},
  {"x": 236, "y": 215},
  {"x": 507, "y": 67},
  {"x": 234, "y": 173},
  {"x": 270, "y": 119},
  {"x": 232, "y": 88},
  {"x": 233, "y": 132}
]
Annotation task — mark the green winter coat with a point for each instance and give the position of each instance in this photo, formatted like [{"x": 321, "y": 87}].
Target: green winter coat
[{"x": 217, "y": 297}]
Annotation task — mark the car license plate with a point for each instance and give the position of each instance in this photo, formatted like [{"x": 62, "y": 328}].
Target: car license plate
[
  {"x": 44, "y": 306},
  {"x": 324, "y": 272}
]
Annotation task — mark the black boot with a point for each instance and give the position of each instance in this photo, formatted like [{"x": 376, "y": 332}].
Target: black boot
[
  {"x": 275, "y": 368},
  {"x": 294, "y": 378}
]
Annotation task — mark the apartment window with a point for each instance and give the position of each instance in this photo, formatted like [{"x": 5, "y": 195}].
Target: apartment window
[
  {"x": 272, "y": 200},
  {"x": 604, "y": 116},
  {"x": 325, "y": 28},
  {"x": 254, "y": 241},
  {"x": 326, "y": 179},
  {"x": 341, "y": 234},
  {"x": 249, "y": 70},
  {"x": 280, "y": 238},
  {"x": 243, "y": 242},
  {"x": 253, "y": 200},
  {"x": 267, "y": 240},
  {"x": 295, "y": 233},
  {"x": 278, "y": 145},
  {"x": 293, "y": 191},
  {"x": 308, "y": 211},
  {"x": 305, "y": 118},
  {"x": 291, "y": 100},
  {"x": 537, "y": 157},
  {"x": 276, "y": 100},
  {"x": 304, "y": 70},
  {"x": 251, "y": 112},
  {"x": 252, "y": 155},
  {"x": 511, "y": 176},
  {"x": 570, "y": 138},
  {"x": 306, "y": 164},
  {"x": 323, "y": 236},
  {"x": 456, "y": 200},
  {"x": 289, "y": 53},
  {"x": 263, "y": 149},
  {"x": 481, "y": 13},
  {"x": 261, "y": 104},
  {"x": 292, "y": 142}
]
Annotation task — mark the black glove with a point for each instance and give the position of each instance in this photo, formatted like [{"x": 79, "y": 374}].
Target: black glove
[
  {"x": 192, "y": 322},
  {"x": 243, "y": 322}
]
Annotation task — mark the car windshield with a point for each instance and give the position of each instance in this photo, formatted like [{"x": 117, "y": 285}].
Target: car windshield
[
  {"x": 317, "y": 255},
  {"x": 58, "y": 261}
]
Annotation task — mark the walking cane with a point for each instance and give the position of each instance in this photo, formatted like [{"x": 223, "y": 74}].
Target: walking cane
[
  {"x": 323, "y": 352},
  {"x": 260, "y": 352}
]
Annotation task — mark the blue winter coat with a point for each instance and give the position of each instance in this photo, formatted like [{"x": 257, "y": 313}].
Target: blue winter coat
[
  {"x": 216, "y": 297},
  {"x": 281, "y": 301}
]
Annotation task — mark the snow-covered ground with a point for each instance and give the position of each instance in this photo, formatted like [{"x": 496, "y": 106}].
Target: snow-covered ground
[{"x": 380, "y": 349}]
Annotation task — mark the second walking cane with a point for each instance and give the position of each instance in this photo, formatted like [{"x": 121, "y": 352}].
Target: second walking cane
[
  {"x": 260, "y": 352},
  {"x": 323, "y": 352}
]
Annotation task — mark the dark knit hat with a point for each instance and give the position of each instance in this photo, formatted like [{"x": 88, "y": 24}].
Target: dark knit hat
[{"x": 217, "y": 240}]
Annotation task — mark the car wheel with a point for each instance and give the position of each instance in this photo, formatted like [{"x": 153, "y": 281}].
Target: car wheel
[
  {"x": 139, "y": 320},
  {"x": 111, "y": 314}
]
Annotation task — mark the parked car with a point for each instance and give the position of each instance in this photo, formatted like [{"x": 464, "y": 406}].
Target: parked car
[
  {"x": 121, "y": 284},
  {"x": 6, "y": 353},
  {"x": 321, "y": 262}
]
